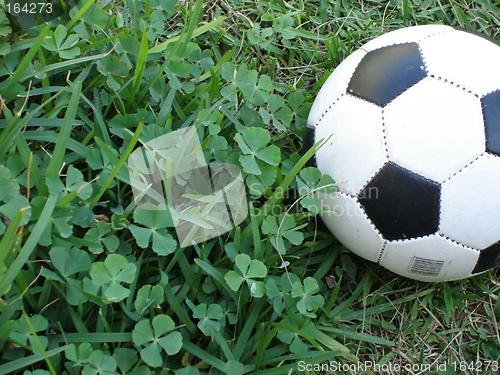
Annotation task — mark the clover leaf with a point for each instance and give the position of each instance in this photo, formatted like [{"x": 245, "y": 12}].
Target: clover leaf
[
  {"x": 300, "y": 107},
  {"x": 293, "y": 337},
  {"x": 258, "y": 160},
  {"x": 25, "y": 330},
  {"x": 188, "y": 370},
  {"x": 209, "y": 317},
  {"x": 125, "y": 358},
  {"x": 100, "y": 363},
  {"x": 103, "y": 238},
  {"x": 278, "y": 290},
  {"x": 74, "y": 181},
  {"x": 79, "y": 355},
  {"x": 59, "y": 41},
  {"x": 255, "y": 89},
  {"x": 110, "y": 275},
  {"x": 156, "y": 336},
  {"x": 155, "y": 221},
  {"x": 309, "y": 301},
  {"x": 69, "y": 261},
  {"x": 36, "y": 372},
  {"x": 277, "y": 113},
  {"x": 234, "y": 367},
  {"x": 284, "y": 231},
  {"x": 230, "y": 312},
  {"x": 253, "y": 143},
  {"x": 146, "y": 296},
  {"x": 249, "y": 269},
  {"x": 309, "y": 184}
]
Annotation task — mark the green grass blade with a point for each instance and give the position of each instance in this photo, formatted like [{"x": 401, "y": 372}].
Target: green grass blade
[
  {"x": 5, "y": 330},
  {"x": 57, "y": 159},
  {"x": 140, "y": 67},
  {"x": 30, "y": 243},
  {"x": 15, "y": 124},
  {"x": 23, "y": 66},
  {"x": 247, "y": 330},
  {"x": 380, "y": 308},
  {"x": 27, "y": 156},
  {"x": 197, "y": 32},
  {"x": 17, "y": 364},
  {"x": 98, "y": 123},
  {"x": 51, "y": 136},
  {"x": 179, "y": 311},
  {"x": 203, "y": 355},
  {"x": 63, "y": 65},
  {"x": 358, "y": 336},
  {"x": 11, "y": 239},
  {"x": 79, "y": 14},
  {"x": 95, "y": 337},
  {"x": 121, "y": 161},
  {"x": 39, "y": 344}
]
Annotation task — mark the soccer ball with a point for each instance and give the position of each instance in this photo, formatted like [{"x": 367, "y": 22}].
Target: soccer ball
[{"x": 412, "y": 123}]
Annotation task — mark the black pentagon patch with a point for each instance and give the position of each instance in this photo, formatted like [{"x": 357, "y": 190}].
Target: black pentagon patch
[
  {"x": 309, "y": 138},
  {"x": 488, "y": 258},
  {"x": 385, "y": 73},
  {"x": 401, "y": 203},
  {"x": 491, "y": 114}
]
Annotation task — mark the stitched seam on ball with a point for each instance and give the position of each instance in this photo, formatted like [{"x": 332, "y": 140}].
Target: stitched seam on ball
[
  {"x": 341, "y": 190},
  {"x": 441, "y": 234},
  {"x": 371, "y": 178},
  {"x": 421, "y": 50},
  {"x": 484, "y": 124},
  {"x": 382, "y": 251},
  {"x": 390, "y": 101},
  {"x": 367, "y": 182},
  {"x": 415, "y": 173},
  {"x": 436, "y": 33},
  {"x": 465, "y": 166},
  {"x": 386, "y": 158},
  {"x": 489, "y": 93},
  {"x": 384, "y": 133},
  {"x": 358, "y": 203},
  {"x": 328, "y": 110},
  {"x": 439, "y": 78},
  {"x": 452, "y": 83},
  {"x": 374, "y": 227}
]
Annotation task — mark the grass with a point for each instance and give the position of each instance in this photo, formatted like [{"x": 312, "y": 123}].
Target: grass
[{"x": 92, "y": 284}]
